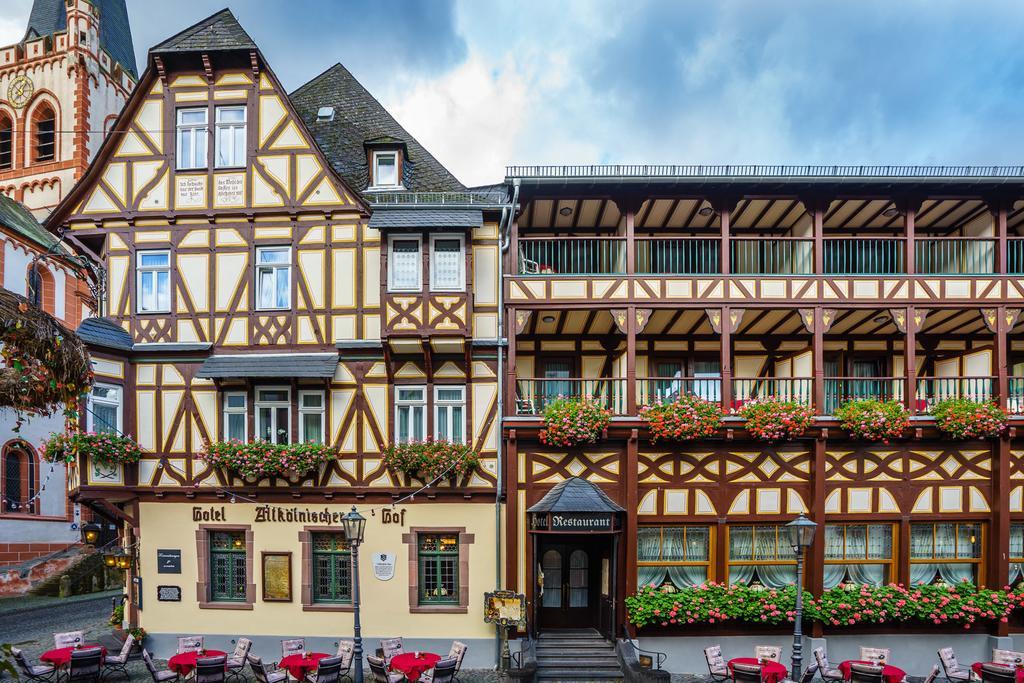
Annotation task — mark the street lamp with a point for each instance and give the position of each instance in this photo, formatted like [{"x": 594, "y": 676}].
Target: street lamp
[
  {"x": 354, "y": 525},
  {"x": 90, "y": 533},
  {"x": 801, "y": 535}
]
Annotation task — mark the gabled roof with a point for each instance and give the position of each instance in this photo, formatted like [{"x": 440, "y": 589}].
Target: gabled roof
[
  {"x": 106, "y": 333},
  {"x": 15, "y": 216},
  {"x": 360, "y": 119},
  {"x": 576, "y": 495},
  {"x": 220, "y": 31},
  {"x": 49, "y": 17}
]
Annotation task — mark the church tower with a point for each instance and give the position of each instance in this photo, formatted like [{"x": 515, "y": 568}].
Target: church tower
[{"x": 61, "y": 88}]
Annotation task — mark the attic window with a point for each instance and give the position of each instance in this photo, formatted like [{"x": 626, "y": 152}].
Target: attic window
[
  {"x": 385, "y": 169},
  {"x": 325, "y": 114}
]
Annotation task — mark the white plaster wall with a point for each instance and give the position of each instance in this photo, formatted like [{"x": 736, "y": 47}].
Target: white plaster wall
[{"x": 16, "y": 260}]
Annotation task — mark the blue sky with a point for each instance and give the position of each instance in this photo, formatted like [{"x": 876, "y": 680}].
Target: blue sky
[{"x": 485, "y": 84}]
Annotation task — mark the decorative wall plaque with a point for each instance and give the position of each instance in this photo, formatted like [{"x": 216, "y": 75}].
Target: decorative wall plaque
[
  {"x": 168, "y": 593},
  {"x": 277, "y": 577}
]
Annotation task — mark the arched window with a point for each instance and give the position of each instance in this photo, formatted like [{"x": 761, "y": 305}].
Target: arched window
[
  {"x": 44, "y": 133},
  {"x": 6, "y": 142},
  {"x": 19, "y": 479},
  {"x": 41, "y": 287}
]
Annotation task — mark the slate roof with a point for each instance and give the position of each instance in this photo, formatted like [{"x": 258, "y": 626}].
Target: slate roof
[
  {"x": 220, "y": 31},
  {"x": 106, "y": 333},
  {"x": 17, "y": 217},
  {"x": 321, "y": 365},
  {"x": 576, "y": 495},
  {"x": 385, "y": 218},
  {"x": 49, "y": 17},
  {"x": 359, "y": 119}
]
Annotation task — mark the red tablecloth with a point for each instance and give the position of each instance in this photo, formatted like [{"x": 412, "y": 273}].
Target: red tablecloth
[
  {"x": 62, "y": 655},
  {"x": 300, "y": 665},
  {"x": 771, "y": 672},
  {"x": 183, "y": 662},
  {"x": 412, "y": 666},
  {"x": 1020, "y": 670},
  {"x": 890, "y": 673}
]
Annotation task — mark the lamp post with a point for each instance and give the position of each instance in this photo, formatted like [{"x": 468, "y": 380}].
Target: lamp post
[
  {"x": 90, "y": 533},
  {"x": 354, "y": 524},
  {"x": 801, "y": 535}
]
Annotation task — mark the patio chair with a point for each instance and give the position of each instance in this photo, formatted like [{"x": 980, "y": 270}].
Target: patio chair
[
  {"x": 954, "y": 672},
  {"x": 262, "y": 674},
  {"x": 997, "y": 673},
  {"x": 295, "y": 646},
  {"x": 769, "y": 652},
  {"x": 1007, "y": 656},
  {"x": 211, "y": 669},
  {"x": 86, "y": 665},
  {"x": 716, "y": 664},
  {"x": 346, "y": 649},
  {"x": 34, "y": 672},
  {"x": 866, "y": 673},
  {"x": 190, "y": 644},
  {"x": 119, "y": 663},
  {"x": 933, "y": 674},
  {"x": 238, "y": 658},
  {"x": 746, "y": 673},
  {"x": 328, "y": 670},
  {"x": 808, "y": 675},
  {"x": 378, "y": 671},
  {"x": 827, "y": 671},
  {"x": 458, "y": 653},
  {"x": 875, "y": 655},
  {"x": 158, "y": 675},
  {"x": 391, "y": 647},
  {"x": 68, "y": 639},
  {"x": 444, "y": 671}
]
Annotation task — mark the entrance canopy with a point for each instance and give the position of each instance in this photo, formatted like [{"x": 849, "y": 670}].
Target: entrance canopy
[{"x": 575, "y": 506}]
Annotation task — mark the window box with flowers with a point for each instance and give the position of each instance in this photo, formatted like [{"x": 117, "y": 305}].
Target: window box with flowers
[
  {"x": 431, "y": 460},
  {"x": 963, "y": 419},
  {"x": 261, "y": 459},
  {"x": 572, "y": 422},
  {"x": 103, "y": 448},
  {"x": 712, "y": 603},
  {"x": 872, "y": 420},
  {"x": 687, "y": 418},
  {"x": 774, "y": 419}
]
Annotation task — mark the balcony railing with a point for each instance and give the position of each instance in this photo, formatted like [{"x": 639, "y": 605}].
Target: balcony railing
[
  {"x": 931, "y": 390},
  {"x": 534, "y": 395},
  {"x": 771, "y": 256},
  {"x": 575, "y": 256},
  {"x": 1015, "y": 395},
  {"x": 678, "y": 256},
  {"x": 652, "y": 390},
  {"x": 746, "y": 389},
  {"x": 840, "y": 390},
  {"x": 864, "y": 256},
  {"x": 955, "y": 255}
]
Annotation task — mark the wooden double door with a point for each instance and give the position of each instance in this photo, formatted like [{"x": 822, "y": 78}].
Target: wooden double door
[{"x": 575, "y": 581}]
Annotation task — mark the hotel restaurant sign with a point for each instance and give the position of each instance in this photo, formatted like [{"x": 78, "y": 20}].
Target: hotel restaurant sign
[{"x": 575, "y": 522}]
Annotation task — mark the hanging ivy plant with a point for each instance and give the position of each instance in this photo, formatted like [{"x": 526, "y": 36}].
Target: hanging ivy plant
[
  {"x": 962, "y": 418},
  {"x": 573, "y": 422},
  {"x": 773, "y": 419},
  {"x": 873, "y": 420},
  {"x": 687, "y": 418}
]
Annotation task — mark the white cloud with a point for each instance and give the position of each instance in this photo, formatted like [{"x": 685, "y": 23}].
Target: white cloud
[{"x": 13, "y": 20}]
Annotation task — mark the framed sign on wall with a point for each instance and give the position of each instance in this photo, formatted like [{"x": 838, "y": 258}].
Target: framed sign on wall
[{"x": 277, "y": 576}]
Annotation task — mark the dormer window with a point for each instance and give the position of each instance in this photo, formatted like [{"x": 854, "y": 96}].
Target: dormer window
[{"x": 385, "y": 169}]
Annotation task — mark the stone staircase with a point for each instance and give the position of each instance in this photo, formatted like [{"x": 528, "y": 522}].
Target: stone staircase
[{"x": 576, "y": 656}]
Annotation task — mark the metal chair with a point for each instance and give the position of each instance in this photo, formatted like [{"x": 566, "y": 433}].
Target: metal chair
[
  {"x": 997, "y": 673},
  {"x": 444, "y": 671},
  {"x": 716, "y": 664},
  {"x": 378, "y": 670},
  {"x": 190, "y": 644},
  {"x": 294, "y": 646},
  {"x": 346, "y": 650},
  {"x": 68, "y": 639},
  {"x": 458, "y": 653},
  {"x": 933, "y": 674},
  {"x": 1007, "y": 656},
  {"x": 875, "y": 655},
  {"x": 951, "y": 667},
  {"x": 158, "y": 675},
  {"x": 34, "y": 672},
  {"x": 808, "y": 675},
  {"x": 238, "y": 658},
  {"x": 328, "y": 670},
  {"x": 390, "y": 648},
  {"x": 262, "y": 675},
  {"x": 746, "y": 673},
  {"x": 827, "y": 671},
  {"x": 211, "y": 669},
  {"x": 866, "y": 673},
  {"x": 769, "y": 652},
  {"x": 86, "y": 665},
  {"x": 119, "y": 663}
]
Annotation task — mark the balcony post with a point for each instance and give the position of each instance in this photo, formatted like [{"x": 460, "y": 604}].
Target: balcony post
[
  {"x": 910, "y": 361},
  {"x": 631, "y": 388},
  {"x": 631, "y": 206},
  {"x": 816, "y": 205},
  {"x": 511, "y": 329},
  {"x": 908, "y": 206},
  {"x": 1002, "y": 379},
  {"x": 998, "y": 208},
  {"x": 724, "y": 210},
  {"x": 725, "y": 359},
  {"x": 818, "y": 354}
]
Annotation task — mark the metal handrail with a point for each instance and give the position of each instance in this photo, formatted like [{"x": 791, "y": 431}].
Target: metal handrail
[
  {"x": 659, "y": 657},
  {"x": 535, "y": 394},
  {"x": 931, "y": 390},
  {"x": 775, "y": 256}
]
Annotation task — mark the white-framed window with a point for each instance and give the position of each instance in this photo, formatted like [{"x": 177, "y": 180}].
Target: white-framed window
[
  {"x": 231, "y": 139},
  {"x": 235, "y": 414},
  {"x": 273, "y": 278},
  {"x": 104, "y": 409},
  {"x": 410, "y": 413},
  {"x": 385, "y": 169},
  {"x": 153, "y": 281},
  {"x": 450, "y": 413},
  {"x": 447, "y": 263},
  {"x": 404, "y": 263},
  {"x": 193, "y": 132},
  {"x": 273, "y": 414},
  {"x": 311, "y": 416}
]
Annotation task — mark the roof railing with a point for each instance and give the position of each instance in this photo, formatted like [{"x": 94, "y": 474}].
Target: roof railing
[
  {"x": 760, "y": 171},
  {"x": 431, "y": 198}
]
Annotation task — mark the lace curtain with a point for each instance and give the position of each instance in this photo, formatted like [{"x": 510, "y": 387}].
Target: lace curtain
[
  {"x": 933, "y": 545},
  {"x": 846, "y": 549},
  {"x": 767, "y": 544},
  {"x": 1016, "y": 551},
  {"x": 673, "y": 544}
]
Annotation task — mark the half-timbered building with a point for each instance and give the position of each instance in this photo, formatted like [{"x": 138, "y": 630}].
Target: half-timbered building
[{"x": 292, "y": 268}]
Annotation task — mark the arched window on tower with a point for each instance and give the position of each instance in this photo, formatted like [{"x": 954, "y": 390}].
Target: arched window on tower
[
  {"x": 41, "y": 287},
  {"x": 19, "y": 479},
  {"x": 6, "y": 142},
  {"x": 44, "y": 133}
]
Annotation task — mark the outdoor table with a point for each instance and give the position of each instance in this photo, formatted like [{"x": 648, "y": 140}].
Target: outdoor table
[
  {"x": 771, "y": 672},
  {"x": 183, "y": 662},
  {"x": 300, "y": 664},
  {"x": 61, "y": 656},
  {"x": 412, "y": 666},
  {"x": 890, "y": 673},
  {"x": 976, "y": 667}
]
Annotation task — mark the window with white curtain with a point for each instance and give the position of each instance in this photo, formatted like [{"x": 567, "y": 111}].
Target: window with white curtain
[
  {"x": 410, "y": 413},
  {"x": 104, "y": 409},
  {"x": 947, "y": 551},
  {"x": 230, "y": 143},
  {"x": 235, "y": 416},
  {"x": 193, "y": 130},
  {"x": 1016, "y": 554},
  {"x": 311, "y": 416},
  {"x": 273, "y": 414},
  {"x": 404, "y": 265},
  {"x": 385, "y": 169},
  {"x": 273, "y": 278},
  {"x": 680, "y": 555},
  {"x": 153, "y": 281},
  {"x": 447, "y": 264},
  {"x": 450, "y": 413},
  {"x": 858, "y": 553},
  {"x": 761, "y": 554}
]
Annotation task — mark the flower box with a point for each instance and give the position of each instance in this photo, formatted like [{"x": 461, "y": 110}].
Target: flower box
[
  {"x": 687, "y": 418},
  {"x": 103, "y": 449},
  {"x": 431, "y": 460},
  {"x": 872, "y": 420},
  {"x": 963, "y": 419},
  {"x": 572, "y": 422},
  {"x": 260, "y": 459},
  {"x": 774, "y": 419}
]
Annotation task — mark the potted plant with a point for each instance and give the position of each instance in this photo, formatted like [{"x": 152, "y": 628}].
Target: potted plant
[
  {"x": 873, "y": 420},
  {"x": 117, "y": 617},
  {"x": 775, "y": 419},
  {"x": 105, "y": 449},
  {"x": 573, "y": 422},
  {"x": 962, "y": 418},
  {"x": 687, "y": 418},
  {"x": 431, "y": 459}
]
